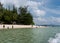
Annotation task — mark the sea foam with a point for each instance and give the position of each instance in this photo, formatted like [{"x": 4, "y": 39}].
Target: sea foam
[{"x": 56, "y": 39}]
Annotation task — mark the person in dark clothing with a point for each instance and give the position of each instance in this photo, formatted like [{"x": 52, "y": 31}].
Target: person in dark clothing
[{"x": 3, "y": 26}]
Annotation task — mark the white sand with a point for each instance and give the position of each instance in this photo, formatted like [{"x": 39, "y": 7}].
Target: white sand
[{"x": 19, "y": 26}]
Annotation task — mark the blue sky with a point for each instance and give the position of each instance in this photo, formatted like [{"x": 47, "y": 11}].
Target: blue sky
[{"x": 43, "y": 11}]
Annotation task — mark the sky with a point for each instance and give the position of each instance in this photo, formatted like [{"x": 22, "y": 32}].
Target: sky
[{"x": 43, "y": 11}]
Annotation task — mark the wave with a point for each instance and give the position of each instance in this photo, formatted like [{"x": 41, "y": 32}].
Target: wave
[{"x": 56, "y": 39}]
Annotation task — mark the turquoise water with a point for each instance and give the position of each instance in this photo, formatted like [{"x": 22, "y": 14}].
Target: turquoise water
[{"x": 35, "y": 35}]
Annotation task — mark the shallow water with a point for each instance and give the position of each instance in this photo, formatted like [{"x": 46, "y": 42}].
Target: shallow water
[{"x": 36, "y": 35}]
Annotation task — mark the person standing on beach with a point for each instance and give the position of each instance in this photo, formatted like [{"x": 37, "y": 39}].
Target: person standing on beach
[
  {"x": 3, "y": 26},
  {"x": 12, "y": 26}
]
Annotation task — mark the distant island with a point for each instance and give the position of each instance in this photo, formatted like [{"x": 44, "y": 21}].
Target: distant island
[{"x": 50, "y": 25}]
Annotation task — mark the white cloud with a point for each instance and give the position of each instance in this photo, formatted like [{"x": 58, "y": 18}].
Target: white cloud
[
  {"x": 2, "y": 1},
  {"x": 50, "y": 20},
  {"x": 40, "y": 12},
  {"x": 17, "y": 3},
  {"x": 33, "y": 5},
  {"x": 55, "y": 19},
  {"x": 55, "y": 11},
  {"x": 40, "y": 21}
]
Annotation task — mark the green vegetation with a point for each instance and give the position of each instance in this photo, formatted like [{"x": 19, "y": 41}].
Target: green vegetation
[{"x": 20, "y": 16}]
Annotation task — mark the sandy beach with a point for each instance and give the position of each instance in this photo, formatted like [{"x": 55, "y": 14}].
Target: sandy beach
[{"x": 19, "y": 26}]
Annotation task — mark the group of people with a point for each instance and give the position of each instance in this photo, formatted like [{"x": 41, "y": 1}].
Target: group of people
[{"x": 7, "y": 27}]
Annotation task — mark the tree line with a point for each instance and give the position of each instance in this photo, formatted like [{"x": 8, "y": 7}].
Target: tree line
[{"x": 14, "y": 16}]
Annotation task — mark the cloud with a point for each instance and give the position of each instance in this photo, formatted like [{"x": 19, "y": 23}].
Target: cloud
[
  {"x": 34, "y": 7},
  {"x": 40, "y": 21},
  {"x": 55, "y": 11},
  {"x": 33, "y": 4},
  {"x": 2, "y": 1},
  {"x": 51, "y": 20},
  {"x": 40, "y": 12},
  {"x": 17, "y": 3},
  {"x": 55, "y": 19}
]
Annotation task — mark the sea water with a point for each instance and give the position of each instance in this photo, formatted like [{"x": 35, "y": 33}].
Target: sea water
[
  {"x": 47, "y": 35},
  {"x": 31, "y": 35}
]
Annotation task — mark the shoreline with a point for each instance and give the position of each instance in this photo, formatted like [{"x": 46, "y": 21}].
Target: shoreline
[{"x": 7, "y": 26}]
